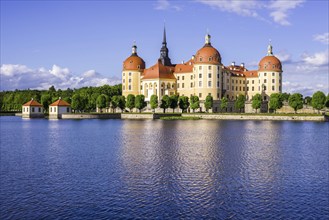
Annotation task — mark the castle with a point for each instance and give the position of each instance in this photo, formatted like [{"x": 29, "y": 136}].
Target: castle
[{"x": 203, "y": 75}]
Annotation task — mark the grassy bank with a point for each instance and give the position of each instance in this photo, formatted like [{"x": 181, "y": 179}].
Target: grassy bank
[{"x": 179, "y": 118}]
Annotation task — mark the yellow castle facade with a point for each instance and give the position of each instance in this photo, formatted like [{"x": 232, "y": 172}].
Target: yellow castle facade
[{"x": 203, "y": 75}]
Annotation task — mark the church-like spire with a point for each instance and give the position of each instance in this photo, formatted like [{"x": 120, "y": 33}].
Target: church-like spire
[
  {"x": 134, "y": 49},
  {"x": 269, "y": 49},
  {"x": 164, "y": 52}
]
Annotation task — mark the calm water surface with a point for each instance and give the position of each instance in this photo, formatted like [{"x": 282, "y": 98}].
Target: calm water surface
[{"x": 125, "y": 169}]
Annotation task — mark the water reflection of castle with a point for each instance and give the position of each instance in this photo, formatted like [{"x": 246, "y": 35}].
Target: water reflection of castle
[{"x": 203, "y": 75}]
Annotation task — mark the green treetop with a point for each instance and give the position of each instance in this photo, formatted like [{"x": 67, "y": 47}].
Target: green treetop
[
  {"x": 224, "y": 103},
  {"x": 209, "y": 102},
  {"x": 154, "y": 102},
  {"x": 165, "y": 103},
  {"x": 195, "y": 102},
  {"x": 318, "y": 100},
  {"x": 296, "y": 101},
  {"x": 173, "y": 102},
  {"x": 256, "y": 101},
  {"x": 275, "y": 101},
  {"x": 130, "y": 102},
  {"x": 183, "y": 103},
  {"x": 239, "y": 103},
  {"x": 140, "y": 102}
]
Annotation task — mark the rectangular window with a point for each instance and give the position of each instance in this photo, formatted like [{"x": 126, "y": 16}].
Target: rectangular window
[
  {"x": 200, "y": 67},
  {"x": 123, "y": 81},
  {"x": 265, "y": 80},
  {"x": 67, "y": 109},
  {"x": 232, "y": 88},
  {"x": 123, "y": 74},
  {"x": 217, "y": 75},
  {"x": 191, "y": 76},
  {"x": 209, "y": 67},
  {"x": 240, "y": 81},
  {"x": 247, "y": 81},
  {"x": 253, "y": 81},
  {"x": 252, "y": 88},
  {"x": 209, "y": 75},
  {"x": 217, "y": 84},
  {"x": 177, "y": 77},
  {"x": 218, "y": 95},
  {"x": 129, "y": 87},
  {"x": 264, "y": 74},
  {"x": 39, "y": 109},
  {"x": 191, "y": 85},
  {"x": 247, "y": 88},
  {"x": 51, "y": 109},
  {"x": 236, "y": 81},
  {"x": 200, "y": 95},
  {"x": 200, "y": 75},
  {"x": 264, "y": 88},
  {"x": 129, "y": 74},
  {"x": 182, "y": 85},
  {"x": 228, "y": 87},
  {"x": 177, "y": 85},
  {"x": 273, "y": 80},
  {"x": 129, "y": 80},
  {"x": 32, "y": 109},
  {"x": 183, "y": 77},
  {"x": 209, "y": 83},
  {"x": 54, "y": 109},
  {"x": 273, "y": 74},
  {"x": 273, "y": 88},
  {"x": 123, "y": 87},
  {"x": 200, "y": 83}
]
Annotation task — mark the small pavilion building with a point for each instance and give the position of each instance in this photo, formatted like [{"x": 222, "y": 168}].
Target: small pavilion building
[
  {"x": 32, "y": 109},
  {"x": 58, "y": 108}
]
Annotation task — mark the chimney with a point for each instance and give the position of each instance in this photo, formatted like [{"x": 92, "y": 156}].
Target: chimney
[
  {"x": 242, "y": 65},
  {"x": 233, "y": 63}
]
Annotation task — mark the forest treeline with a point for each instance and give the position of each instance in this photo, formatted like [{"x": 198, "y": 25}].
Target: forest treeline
[{"x": 13, "y": 100}]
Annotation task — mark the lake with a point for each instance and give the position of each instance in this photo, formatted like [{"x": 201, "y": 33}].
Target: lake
[{"x": 147, "y": 169}]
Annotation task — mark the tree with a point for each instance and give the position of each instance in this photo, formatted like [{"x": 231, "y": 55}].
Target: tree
[
  {"x": 327, "y": 101},
  {"x": 114, "y": 102},
  {"x": 122, "y": 102},
  {"x": 195, "y": 102},
  {"x": 239, "y": 102},
  {"x": 46, "y": 101},
  {"x": 78, "y": 102},
  {"x": 140, "y": 102},
  {"x": 209, "y": 102},
  {"x": 285, "y": 96},
  {"x": 224, "y": 103},
  {"x": 130, "y": 102},
  {"x": 183, "y": 103},
  {"x": 165, "y": 103},
  {"x": 173, "y": 102},
  {"x": 275, "y": 101},
  {"x": 102, "y": 101},
  {"x": 296, "y": 101},
  {"x": 256, "y": 101},
  {"x": 154, "y": 102},
  {"x": 318, "y": 100}
]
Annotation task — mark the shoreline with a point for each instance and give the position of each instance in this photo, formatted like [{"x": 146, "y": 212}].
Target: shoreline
[{"x": 185, "y": 116}]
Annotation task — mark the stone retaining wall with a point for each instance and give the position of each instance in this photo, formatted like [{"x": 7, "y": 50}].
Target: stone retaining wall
[
  {"x": 259, "y": 117},
  {"x": 91, "y": 116}
]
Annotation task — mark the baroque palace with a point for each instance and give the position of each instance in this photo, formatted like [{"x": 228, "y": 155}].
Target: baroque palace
[{"x": 203, "y": 75}]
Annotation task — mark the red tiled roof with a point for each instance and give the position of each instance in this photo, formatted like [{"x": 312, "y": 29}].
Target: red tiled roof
[
  {"x": 32, "y": 103},
  {"x": 184, "y": 67},
  {"x": 159, "y": 71},
  {"x": 60, "y": 102},
  {"x": 251, "y": 73}
]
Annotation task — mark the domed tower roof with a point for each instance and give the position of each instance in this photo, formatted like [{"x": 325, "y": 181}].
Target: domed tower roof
[
  {"x": 134, "y": 62},
  {"x": 270, "y": 62},
  {"x": 208, "y": 54}
]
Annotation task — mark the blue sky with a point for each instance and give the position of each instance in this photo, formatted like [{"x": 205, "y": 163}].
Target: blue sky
[{"x": 82, "y": 43}]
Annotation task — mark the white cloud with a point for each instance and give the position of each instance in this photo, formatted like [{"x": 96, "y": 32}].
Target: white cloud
[
  {"x": 317, "y": 59},
  {"x": 21, "y": 77},
  {"x": 244, "y": 8},
  {"x": 277, "y": 9},
  {"x": 323, "y": 38},
  {"x": 166, "y": 5},
  {"x": 280, "y": 9}
]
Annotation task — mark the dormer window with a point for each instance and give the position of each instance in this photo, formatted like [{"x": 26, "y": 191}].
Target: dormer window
[
  {"x": 209, "y": 59},
  {"x": 200, "y": 59},
  {"x": 138, "y": 67}
]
